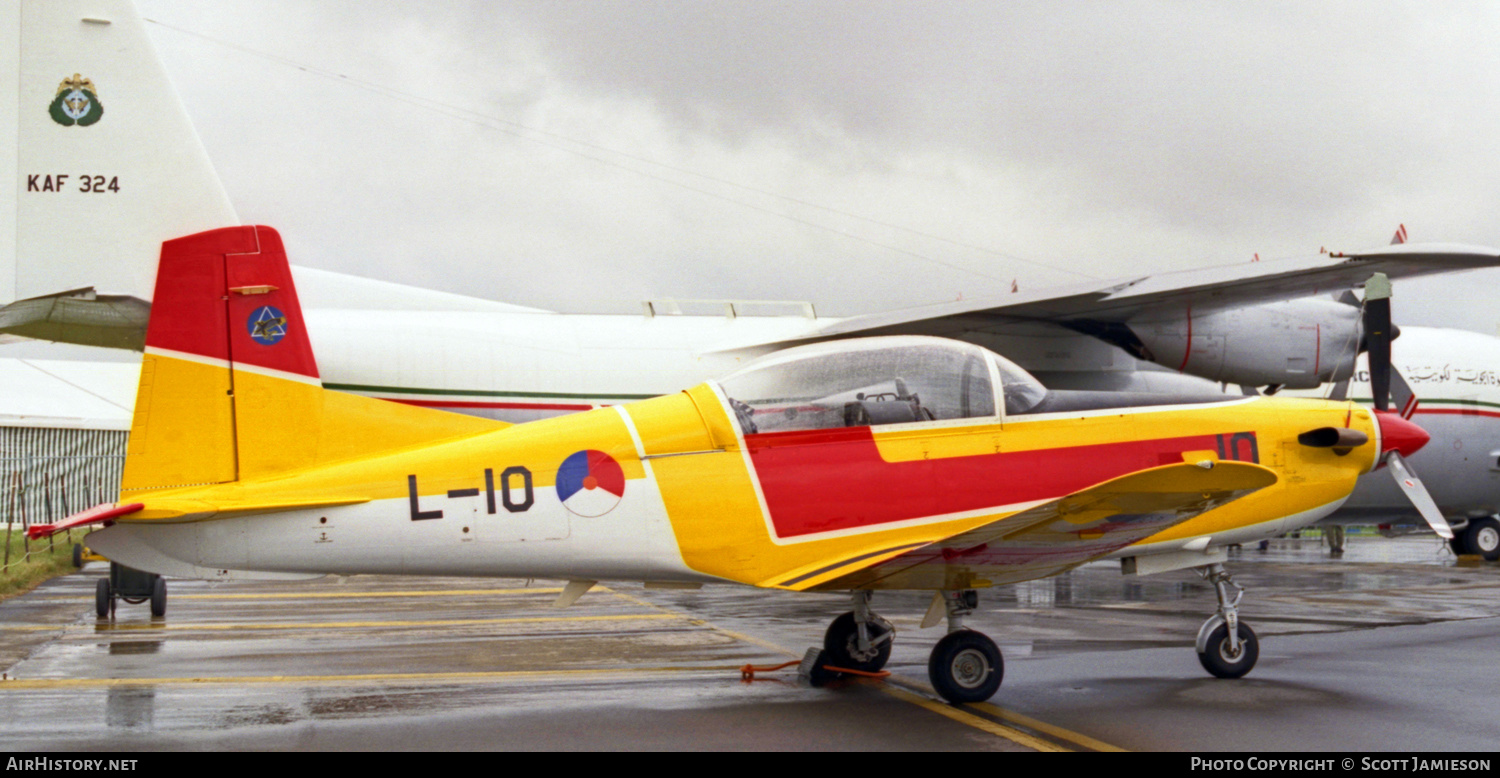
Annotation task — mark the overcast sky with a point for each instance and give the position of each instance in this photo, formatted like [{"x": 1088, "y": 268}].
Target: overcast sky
[{"x": 583, "y": 156}]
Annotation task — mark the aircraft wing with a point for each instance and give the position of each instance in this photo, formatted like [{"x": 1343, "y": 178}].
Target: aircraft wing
[
  {"x": 1103, "y": 303},
  {"x": 1049, "y": 538},
  {"x": 78, "y": 316}
]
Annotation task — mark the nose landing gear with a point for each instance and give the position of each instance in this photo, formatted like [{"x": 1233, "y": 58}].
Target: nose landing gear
[
  {"x": 859, "y": 640},
  {"x": 1227, "y": 648}
]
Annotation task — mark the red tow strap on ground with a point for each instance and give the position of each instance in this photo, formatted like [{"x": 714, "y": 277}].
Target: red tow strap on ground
[{"x": 747, "y": 673}]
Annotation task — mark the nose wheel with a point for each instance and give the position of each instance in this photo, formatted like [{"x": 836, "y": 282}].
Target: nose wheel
[
  {"x": 859, "y": 639},
  {"x": 1227, "y": 647}
]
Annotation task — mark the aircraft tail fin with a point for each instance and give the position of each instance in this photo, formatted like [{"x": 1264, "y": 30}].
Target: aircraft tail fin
[
  {"x": 229, "y": 387},
  {"x": 108, "y": 163}
]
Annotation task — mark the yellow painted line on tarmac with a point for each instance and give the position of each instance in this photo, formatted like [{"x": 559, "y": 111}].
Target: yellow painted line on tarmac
[
  {"x": 963, "y": 717},
  {"x": 740, "y": 636},
  {"x": 147, "y": 626},
  {"x": 1005, "y": 714},
  {"x": 18, "y": 684},
  {"x": 333, "y": 595}
]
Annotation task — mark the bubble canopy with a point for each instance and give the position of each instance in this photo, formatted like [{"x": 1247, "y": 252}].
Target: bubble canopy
[{"x": 875, "y": 381}]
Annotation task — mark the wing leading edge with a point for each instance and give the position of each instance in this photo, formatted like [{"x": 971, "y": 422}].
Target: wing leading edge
[
  {"x": 1046, "y": 539},
  {"x": 1116, "y": 301}
]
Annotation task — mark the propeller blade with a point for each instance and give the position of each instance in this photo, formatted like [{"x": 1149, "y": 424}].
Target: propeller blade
[
  {"x": 1417, "y": 493},
  {"x": 1378, "y": 338},
  {"x": 1402, "y": 396}
]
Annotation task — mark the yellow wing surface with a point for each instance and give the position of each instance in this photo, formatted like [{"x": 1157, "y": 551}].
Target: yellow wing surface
[{"x": 1045, "y": 539}]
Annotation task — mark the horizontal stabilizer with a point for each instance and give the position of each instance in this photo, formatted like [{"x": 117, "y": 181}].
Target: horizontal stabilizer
[
  {"x": 1050, "y": 538},
  {"x": 179, "y": 511},
  {"x": 99, "y": 514}
]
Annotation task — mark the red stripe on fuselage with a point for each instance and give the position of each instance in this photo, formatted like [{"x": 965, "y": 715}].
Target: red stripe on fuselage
[{"x": 831, "y": 480}]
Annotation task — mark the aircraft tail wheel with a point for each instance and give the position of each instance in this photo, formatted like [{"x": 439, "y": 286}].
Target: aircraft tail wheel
[
  {"x": 103, "y": 598},
  {"x": 1483, "y": 537},
  {"x": 841, "y": 645},
  {"x": 966, "y": 666},
  {"x": 159, "y": 597},
  {"x": 1222, "y": 662}
]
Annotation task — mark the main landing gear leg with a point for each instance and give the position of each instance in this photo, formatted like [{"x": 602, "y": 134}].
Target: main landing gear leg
[
  {"x": 859, "y": 640},
  {"x": 965, "y": 665},
  {"x": 1227, "y": 648}
]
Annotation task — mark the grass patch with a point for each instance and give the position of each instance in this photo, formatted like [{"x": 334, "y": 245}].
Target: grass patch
[{"x": 25, "y": 572}]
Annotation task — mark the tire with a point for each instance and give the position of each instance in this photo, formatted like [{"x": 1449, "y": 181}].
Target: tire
[
  {"x": 966, "y": 666},
  {"x": 103, "y": 598},
  {"x": 1217, "y": 661},
  {"x": 841, "y": 641},
  {"x": 77, "y": 555},
  {"x": 1459, "y": 543},
  {"x": 1483, "y": 538},
  {"x": 159, "y": 597}
]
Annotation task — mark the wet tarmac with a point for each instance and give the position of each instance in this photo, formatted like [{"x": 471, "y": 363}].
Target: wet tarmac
[{"x": 1386, "y": 648}]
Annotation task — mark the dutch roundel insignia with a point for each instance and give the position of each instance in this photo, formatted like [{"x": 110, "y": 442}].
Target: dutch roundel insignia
[
  {"x": 590, "y": 483},
  {"x": 267, "y": 325}
]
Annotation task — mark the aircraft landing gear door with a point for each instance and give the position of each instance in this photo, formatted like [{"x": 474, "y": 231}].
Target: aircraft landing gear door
[{"x": 513, "y": 509}]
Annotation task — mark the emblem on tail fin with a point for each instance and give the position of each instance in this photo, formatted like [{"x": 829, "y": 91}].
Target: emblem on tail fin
[
  {"x": 77, "y": 102},
  {"x": 267, "y": 325}
]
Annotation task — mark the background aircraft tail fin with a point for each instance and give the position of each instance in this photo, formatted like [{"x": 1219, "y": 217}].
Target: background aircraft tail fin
[
  {"x": 108, "y": 163},
  {"x": 229, "y": 387}
]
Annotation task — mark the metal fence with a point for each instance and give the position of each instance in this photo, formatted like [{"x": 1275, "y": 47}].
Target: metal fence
[{"x": 47, "y": 474}]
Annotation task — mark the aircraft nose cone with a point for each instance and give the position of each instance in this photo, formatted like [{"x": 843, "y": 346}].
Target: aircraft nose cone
[{"x": 1398, "y": 434}]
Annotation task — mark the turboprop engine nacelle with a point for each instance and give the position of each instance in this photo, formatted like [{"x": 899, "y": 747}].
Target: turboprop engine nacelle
[{"x": 1298, "y": 344}]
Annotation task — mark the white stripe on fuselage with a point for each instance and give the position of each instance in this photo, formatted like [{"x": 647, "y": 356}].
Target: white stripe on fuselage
[{"x": 380, "y": 537}]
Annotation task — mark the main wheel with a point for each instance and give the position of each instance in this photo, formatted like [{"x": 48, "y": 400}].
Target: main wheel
[
  {"x": 841, "y": 645},
  {"x": 78, "y": 555},
  {"x": 159, "y": 597},
  {"x": 966, "y": 666},
  {"x": 1221, "y": 662},
  {"x": 102, "y": 598},
  {"x": 1483, "y": 537}
]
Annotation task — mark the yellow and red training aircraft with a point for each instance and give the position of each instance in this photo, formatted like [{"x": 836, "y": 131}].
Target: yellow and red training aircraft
[{"x": 880, "y": 463}]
